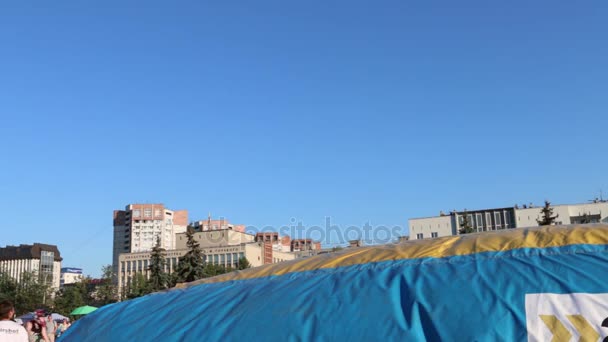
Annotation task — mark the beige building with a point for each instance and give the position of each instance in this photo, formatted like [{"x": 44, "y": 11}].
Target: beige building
[
  {"x": 227, "y": 256},
  {"x": 212, "y": 238},
  {"x": 137, "y": 228},
  {"x": 278, "y": 256},
  {"x": 222, "y": 244},
  {"x": 40, "y": 259}
]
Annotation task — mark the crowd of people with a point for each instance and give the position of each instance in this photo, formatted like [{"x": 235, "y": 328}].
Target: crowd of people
[{"x": 42, "y": 328}]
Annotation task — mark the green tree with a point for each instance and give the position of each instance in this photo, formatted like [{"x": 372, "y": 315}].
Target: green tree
[
  {"x": 547, "y": 217},
  {"x": 137, "y": 287},
  {"x": 159, "y": 279},
  {"x": 105, "y": 292},
  {"x": 191, "y": 266},
  {"x": 72, "y": 296},
  {"x": 28, "y": 294},
  {"x": 465, "y": 225},
  {"x": 243, "y": 263},
  {"x": 8, "y": 287}
]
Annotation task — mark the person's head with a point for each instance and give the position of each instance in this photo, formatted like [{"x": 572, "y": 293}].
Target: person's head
[
  {"x": 40, "y": 314},
  {"x": 7, "y": 309}
]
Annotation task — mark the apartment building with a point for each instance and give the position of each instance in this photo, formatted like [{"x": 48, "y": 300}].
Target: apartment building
[{"x": 137, "y": 228}]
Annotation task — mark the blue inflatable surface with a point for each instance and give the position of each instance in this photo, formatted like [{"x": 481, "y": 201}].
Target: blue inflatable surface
[{"x": 538, "y": 284}]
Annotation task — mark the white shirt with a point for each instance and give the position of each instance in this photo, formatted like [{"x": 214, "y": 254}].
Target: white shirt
[{"x": 12, "y": 332}]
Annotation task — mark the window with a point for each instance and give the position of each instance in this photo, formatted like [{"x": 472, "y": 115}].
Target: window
[
  {"x": 479, "y": 219},
  {"x": 434, "y": 234},
  {"x": 136, "y": 213},
  {"x": 488, "y": 221},
  {"x": 507, "y": 219},
  {"x": 157, "y": 213},
  {"x": 497, "y": 220},
  {"x": 147, "y": 212},
  {"x": 420, "y": 236}
]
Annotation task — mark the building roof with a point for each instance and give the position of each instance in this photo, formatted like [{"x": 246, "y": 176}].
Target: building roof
[
  {"x": 519, "y": 207},
  {"x": 28, "y": 251}
]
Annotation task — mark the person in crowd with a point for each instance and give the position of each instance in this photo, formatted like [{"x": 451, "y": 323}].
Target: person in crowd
[
  {"x": 51, "y": 326},
  {"x": 36, "y": 328},
  {"x": 9, "y": 330},
  {"x": 63, "y": 327}
]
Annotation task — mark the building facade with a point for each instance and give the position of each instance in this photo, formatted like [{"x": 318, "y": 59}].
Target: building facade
[
  {"x": 300, "y": 245},
  {"x": 42, "y": 260},
  {"x": 137, "y": 228},
  {"x": 214, "y": 238},
  {"x": 70, "y": 275},
  {"x": 228, "y": 256},
  {"x": 505, "y": 218},
  {"x": 279, "y": 243}
]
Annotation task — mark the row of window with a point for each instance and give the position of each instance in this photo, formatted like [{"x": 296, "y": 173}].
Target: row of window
[
  {"x": 147, "y": 213},
  {"x": 420, "y": 236},
  {"x": 171, "y": 263},
  {"x": 492, "y": 220}
]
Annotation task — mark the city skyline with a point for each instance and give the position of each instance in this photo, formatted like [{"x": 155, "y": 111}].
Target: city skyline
[{"x": 271, "y": 111}]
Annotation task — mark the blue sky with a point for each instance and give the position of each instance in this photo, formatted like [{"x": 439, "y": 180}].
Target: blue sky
[{"x": 265, "y": 111}]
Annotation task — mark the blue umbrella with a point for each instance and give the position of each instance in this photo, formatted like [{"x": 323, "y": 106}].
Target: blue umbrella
[
  {"x": 58, "y": 317},
  {"x": 27, "y": 317}
]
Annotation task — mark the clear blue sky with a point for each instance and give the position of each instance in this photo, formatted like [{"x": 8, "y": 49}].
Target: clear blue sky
[{"x": 264, "y": 111}]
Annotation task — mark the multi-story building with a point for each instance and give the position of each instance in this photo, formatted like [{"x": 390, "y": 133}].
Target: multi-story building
[
  {"x": 40, "y": 259},
  {"x": 221, "y": 247},
  {"x": 505, "y": 218},
  {"x": 137, "y": 228},
  {"x": 225, "y": 255},
  {"x": 70, "y": 275},
  {"x": 279, "y": 243}
]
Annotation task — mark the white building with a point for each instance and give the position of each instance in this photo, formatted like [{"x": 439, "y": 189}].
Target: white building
[
  {"x": 70, "y": 275},
  {"x": 505, "y": 218},
  {"x": 137, "y": 228},
  {"x": 42, "y": 260}
]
